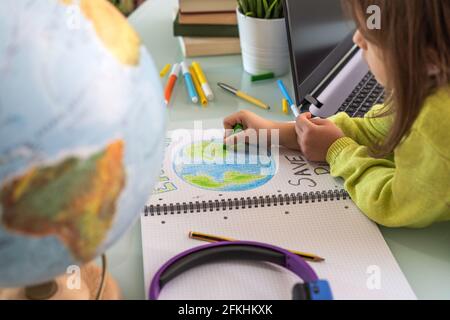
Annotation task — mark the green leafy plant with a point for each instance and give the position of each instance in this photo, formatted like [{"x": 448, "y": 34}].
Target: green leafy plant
[
  {"x": 127, "y": 6},
  {"x": 263, "y": 9}
]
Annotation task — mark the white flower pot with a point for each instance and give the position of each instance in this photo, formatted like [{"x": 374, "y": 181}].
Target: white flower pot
[{"x": 264, "y": 45}]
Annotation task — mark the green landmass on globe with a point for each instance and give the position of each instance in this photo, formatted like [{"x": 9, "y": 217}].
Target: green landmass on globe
[
  {"x": 82, "y": 213},
  {"x": 73, "y": 148}
]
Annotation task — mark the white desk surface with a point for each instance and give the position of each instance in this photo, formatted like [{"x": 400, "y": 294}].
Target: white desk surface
[{"x": 423, "y": 255}]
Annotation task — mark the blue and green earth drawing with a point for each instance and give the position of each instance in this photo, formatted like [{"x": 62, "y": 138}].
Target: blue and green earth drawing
[{"x": 207, "y": 165}]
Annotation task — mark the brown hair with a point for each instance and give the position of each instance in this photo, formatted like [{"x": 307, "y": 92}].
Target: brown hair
[{"x": 414, "y": 39}]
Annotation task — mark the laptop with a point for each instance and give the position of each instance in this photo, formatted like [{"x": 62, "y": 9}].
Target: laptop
[{"x": 328, "y": 69}]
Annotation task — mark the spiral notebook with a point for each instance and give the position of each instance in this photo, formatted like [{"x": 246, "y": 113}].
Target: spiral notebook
[{"x": 281, "y": 199}]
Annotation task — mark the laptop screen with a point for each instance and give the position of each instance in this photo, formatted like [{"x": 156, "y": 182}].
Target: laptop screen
[{"x": 320, "y": 34}]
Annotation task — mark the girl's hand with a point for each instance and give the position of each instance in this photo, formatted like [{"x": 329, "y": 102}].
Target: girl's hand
[
  {"x": 250, "y": 122},
  {"x": 315, "y": 136}
]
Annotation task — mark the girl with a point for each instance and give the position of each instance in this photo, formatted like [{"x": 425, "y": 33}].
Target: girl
[{"x": 395, "y": 162}]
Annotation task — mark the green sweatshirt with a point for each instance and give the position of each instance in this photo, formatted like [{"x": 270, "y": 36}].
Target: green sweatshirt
[{"x": 411, "y": 187}]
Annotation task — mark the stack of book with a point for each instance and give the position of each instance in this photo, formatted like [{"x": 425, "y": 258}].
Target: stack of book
[{"x": 207, "y": 27}]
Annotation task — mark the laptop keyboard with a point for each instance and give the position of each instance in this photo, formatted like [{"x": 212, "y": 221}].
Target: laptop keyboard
[{"x": 366, "y": 94}]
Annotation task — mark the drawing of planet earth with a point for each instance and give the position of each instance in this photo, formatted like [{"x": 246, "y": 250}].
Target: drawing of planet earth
[{"x": 207, "y": 165}]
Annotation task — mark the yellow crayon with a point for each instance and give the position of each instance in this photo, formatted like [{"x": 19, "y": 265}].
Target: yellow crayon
[
  {"x": 165, "y": 70},
  {"x": 285, "y": 106},
  {"x": 198, "y": 87},
  {"x": 203, "y": 81}
]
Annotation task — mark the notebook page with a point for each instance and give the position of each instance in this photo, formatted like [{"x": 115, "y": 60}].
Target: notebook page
[
  {"x": 284, "y": 172},
  {"x": 336, "y": 230}
]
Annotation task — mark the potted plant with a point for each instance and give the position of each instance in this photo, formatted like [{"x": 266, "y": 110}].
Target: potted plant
[
  {"x": 127, "y": 6},
  {"x": 263, "y": 37}
]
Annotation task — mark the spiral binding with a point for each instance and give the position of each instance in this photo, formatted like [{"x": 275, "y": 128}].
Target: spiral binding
[{"x": 245, "y": 203}]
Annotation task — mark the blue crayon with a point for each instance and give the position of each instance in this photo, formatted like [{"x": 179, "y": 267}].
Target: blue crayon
[
  {"x": 288, "y": 98},
  {"x": 189, "y": 82}
]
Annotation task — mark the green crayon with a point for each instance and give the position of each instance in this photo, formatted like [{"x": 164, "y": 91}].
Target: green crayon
[
  {"x": 236, "y": 129},
  {"x": 264, "y": 76}
]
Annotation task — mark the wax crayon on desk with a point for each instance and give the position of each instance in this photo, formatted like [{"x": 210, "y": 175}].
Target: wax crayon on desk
[
  {"x": 164, "y": 70},
  {"x": 203, "y": 81},
  {"x": 288, "y": 98},
  {"x": 261, "y": 77},
  {"x": 285, "y": 104},
  {"x": 243, "y": 96},
  {"x": 171, "y": 82},
  {"x": 285, "y": 92},
  {"x": 189, "y": 82},
  {"x": 198, "y": 87}
]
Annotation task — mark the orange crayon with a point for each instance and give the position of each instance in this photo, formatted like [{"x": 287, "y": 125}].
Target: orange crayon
[{"x": 171, "y": 82}]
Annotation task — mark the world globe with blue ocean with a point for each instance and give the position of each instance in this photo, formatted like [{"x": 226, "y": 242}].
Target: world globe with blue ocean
[{"x": 82, "y": 126}]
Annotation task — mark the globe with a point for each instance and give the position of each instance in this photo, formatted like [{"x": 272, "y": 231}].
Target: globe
[
  {"x": 82, "y": 127},
  {"x": 210, "y": 166}
]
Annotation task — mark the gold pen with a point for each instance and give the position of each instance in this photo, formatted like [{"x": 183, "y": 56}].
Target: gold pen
[
  {"x": 211, "y": 238},
  {"x": 244, "y": 96}
]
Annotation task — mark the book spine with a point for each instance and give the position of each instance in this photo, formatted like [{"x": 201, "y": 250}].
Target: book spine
[
  {"x": 229, "y": 19},
  {"x": 194, "y": 51},
  {"x": 196, "y": 6},
  {"x": 205, "y": 31},
  {"x": 245, "y": 203}
]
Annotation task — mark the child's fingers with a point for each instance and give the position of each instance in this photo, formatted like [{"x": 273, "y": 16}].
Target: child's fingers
[
  {"x": 241, "y": 117},
  {"x": 230, "y": 121},
  {"x": 234, "y": 138},
  {"x": 303, "y": 122},
  {"x": 320, "y": 121},
  {"x": 227, "y": 133},
  {"x": 245, "y": 136}
]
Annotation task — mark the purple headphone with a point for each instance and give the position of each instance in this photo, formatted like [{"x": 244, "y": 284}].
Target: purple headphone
[{"x": 311, "y": 289}]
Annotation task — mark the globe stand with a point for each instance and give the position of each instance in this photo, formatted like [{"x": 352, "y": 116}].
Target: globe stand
[
  {"x": 41, "y": 291},
  {"x": 95, "y": 284}
]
